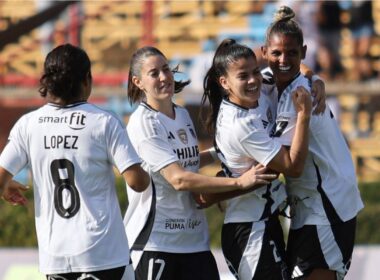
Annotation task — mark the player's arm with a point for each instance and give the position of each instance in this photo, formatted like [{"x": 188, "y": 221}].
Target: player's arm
[
  {"x": 205, "y": 200},
  {"x": 11, "y": 190},
  {"x": 317, "y": 89},
  {"x": 183, "y": 180},
  {"x": 136, "y": 178},
  {"x": 291, "y": 162}
]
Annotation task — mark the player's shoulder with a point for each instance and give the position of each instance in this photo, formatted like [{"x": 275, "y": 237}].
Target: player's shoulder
[
  {"x": 302, "y": 80},
  {"x": 232, "y": 110},
  {"x": 143, "y": 114},
  {"x": 98, "y": 115},
  {"x": 242, "y": 120},
  {"x": 144, "y": 121},
  {"x": 181, "y": 111},
  {"x": 25, "y": 119},
  {"x": 298, "y": 81}
]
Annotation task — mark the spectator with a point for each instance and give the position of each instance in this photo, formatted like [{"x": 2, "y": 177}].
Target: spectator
[
  {"x": 362, "y": 28},
  {"x": 329, "y": 27}
]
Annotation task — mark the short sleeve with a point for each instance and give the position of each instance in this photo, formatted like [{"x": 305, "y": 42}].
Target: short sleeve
[
  {"x": 152, "y": 144},
  {"x": 285, "y": 127},
  {"x": 120, "y": 149},
  {"x": 157, "y": 153},
  {"x": 14, "y": 156},
  {"x": 257, "y": 143}
]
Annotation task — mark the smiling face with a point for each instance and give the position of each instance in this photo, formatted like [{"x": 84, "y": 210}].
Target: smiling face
[
  {"x": 156, "y": 79},
  {"x": 243, "y": 82},
  {"x": 284, "y": 54}
]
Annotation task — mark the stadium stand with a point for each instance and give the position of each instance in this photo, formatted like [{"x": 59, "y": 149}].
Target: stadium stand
[{"x": 111, "y": 30}]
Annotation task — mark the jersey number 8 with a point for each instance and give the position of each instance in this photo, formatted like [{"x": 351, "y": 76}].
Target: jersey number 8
[{"x": 66, "y": 195}]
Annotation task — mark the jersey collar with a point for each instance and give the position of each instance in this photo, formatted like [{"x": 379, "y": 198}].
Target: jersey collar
[
  {"x": 288, "y": 85},
  {"x": 147, "y": 106},
  {"x": 230, "y": 103},
  {"x": 67, "y": 106}
]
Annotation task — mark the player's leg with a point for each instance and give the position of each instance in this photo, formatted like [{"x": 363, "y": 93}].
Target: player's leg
[
  {"x": 324, "y": 274},
  {"x": 234, "y": 241},
  {"x": 252, "y": 251},
  {"x": 321, "y": 252},
  {"x": 272, "y": 263},
  {"x": 200, "y": 266}
]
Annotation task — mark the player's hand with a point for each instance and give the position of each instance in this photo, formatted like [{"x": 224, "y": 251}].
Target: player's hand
[
  {"x": 268, "y": 170},
  {"x": 200, "y": 201},
  {"x": 257, "y": 176},
  {"x": 13, "y": 193},
  {"x": 302, "y": 101},
  {"x": 319, "y": 94}
]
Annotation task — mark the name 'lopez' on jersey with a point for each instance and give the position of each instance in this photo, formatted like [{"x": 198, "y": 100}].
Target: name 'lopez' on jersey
[{"x": 61, "y": 140}]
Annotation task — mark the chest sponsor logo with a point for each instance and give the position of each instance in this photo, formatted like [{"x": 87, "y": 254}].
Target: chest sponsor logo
[{"x": 187, "y": 152}]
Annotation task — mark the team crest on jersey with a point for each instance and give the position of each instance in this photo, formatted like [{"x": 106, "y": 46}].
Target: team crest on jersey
[{"x": 183, "y": 136}]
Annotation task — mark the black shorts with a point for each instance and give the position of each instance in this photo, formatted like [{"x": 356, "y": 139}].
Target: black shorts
[
  {"x": 114, "y": 274},
  {"x": 255, "y": 250},
  {"x": 174, "y": 266},
  {"x": 321, "y": 246}
]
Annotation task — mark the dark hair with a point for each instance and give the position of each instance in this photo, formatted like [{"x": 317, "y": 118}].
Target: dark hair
[
  {"x": 138, "y": 58},
  {"x": 65, "y": 68},
  {"x": 283, "y": 23},
  {"x": 227, "y": 53}
]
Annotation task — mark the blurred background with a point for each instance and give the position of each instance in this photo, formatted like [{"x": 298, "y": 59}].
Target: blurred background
[{"x": 343, "y": 40}]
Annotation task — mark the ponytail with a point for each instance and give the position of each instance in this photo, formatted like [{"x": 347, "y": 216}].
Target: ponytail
[{"x": 227, "y": 52}]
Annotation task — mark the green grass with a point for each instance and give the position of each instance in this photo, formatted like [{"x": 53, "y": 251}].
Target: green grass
[{"x": 17, "y": 223}]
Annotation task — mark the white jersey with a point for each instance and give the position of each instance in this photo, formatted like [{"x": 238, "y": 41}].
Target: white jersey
[
  {"x": 161, "y": 218},
  {"x": 327, "y": 190},
  {"x": 243, "y": 141},
  {"x": 71, "y": 152}
]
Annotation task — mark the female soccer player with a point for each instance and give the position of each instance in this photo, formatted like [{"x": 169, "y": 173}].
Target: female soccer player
[
  {"x": 252, "y": 239},
  {"x": 168, "y": 235},
  {"x": 325, "y": 198},
  {"x": 71, "y": 147}
]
